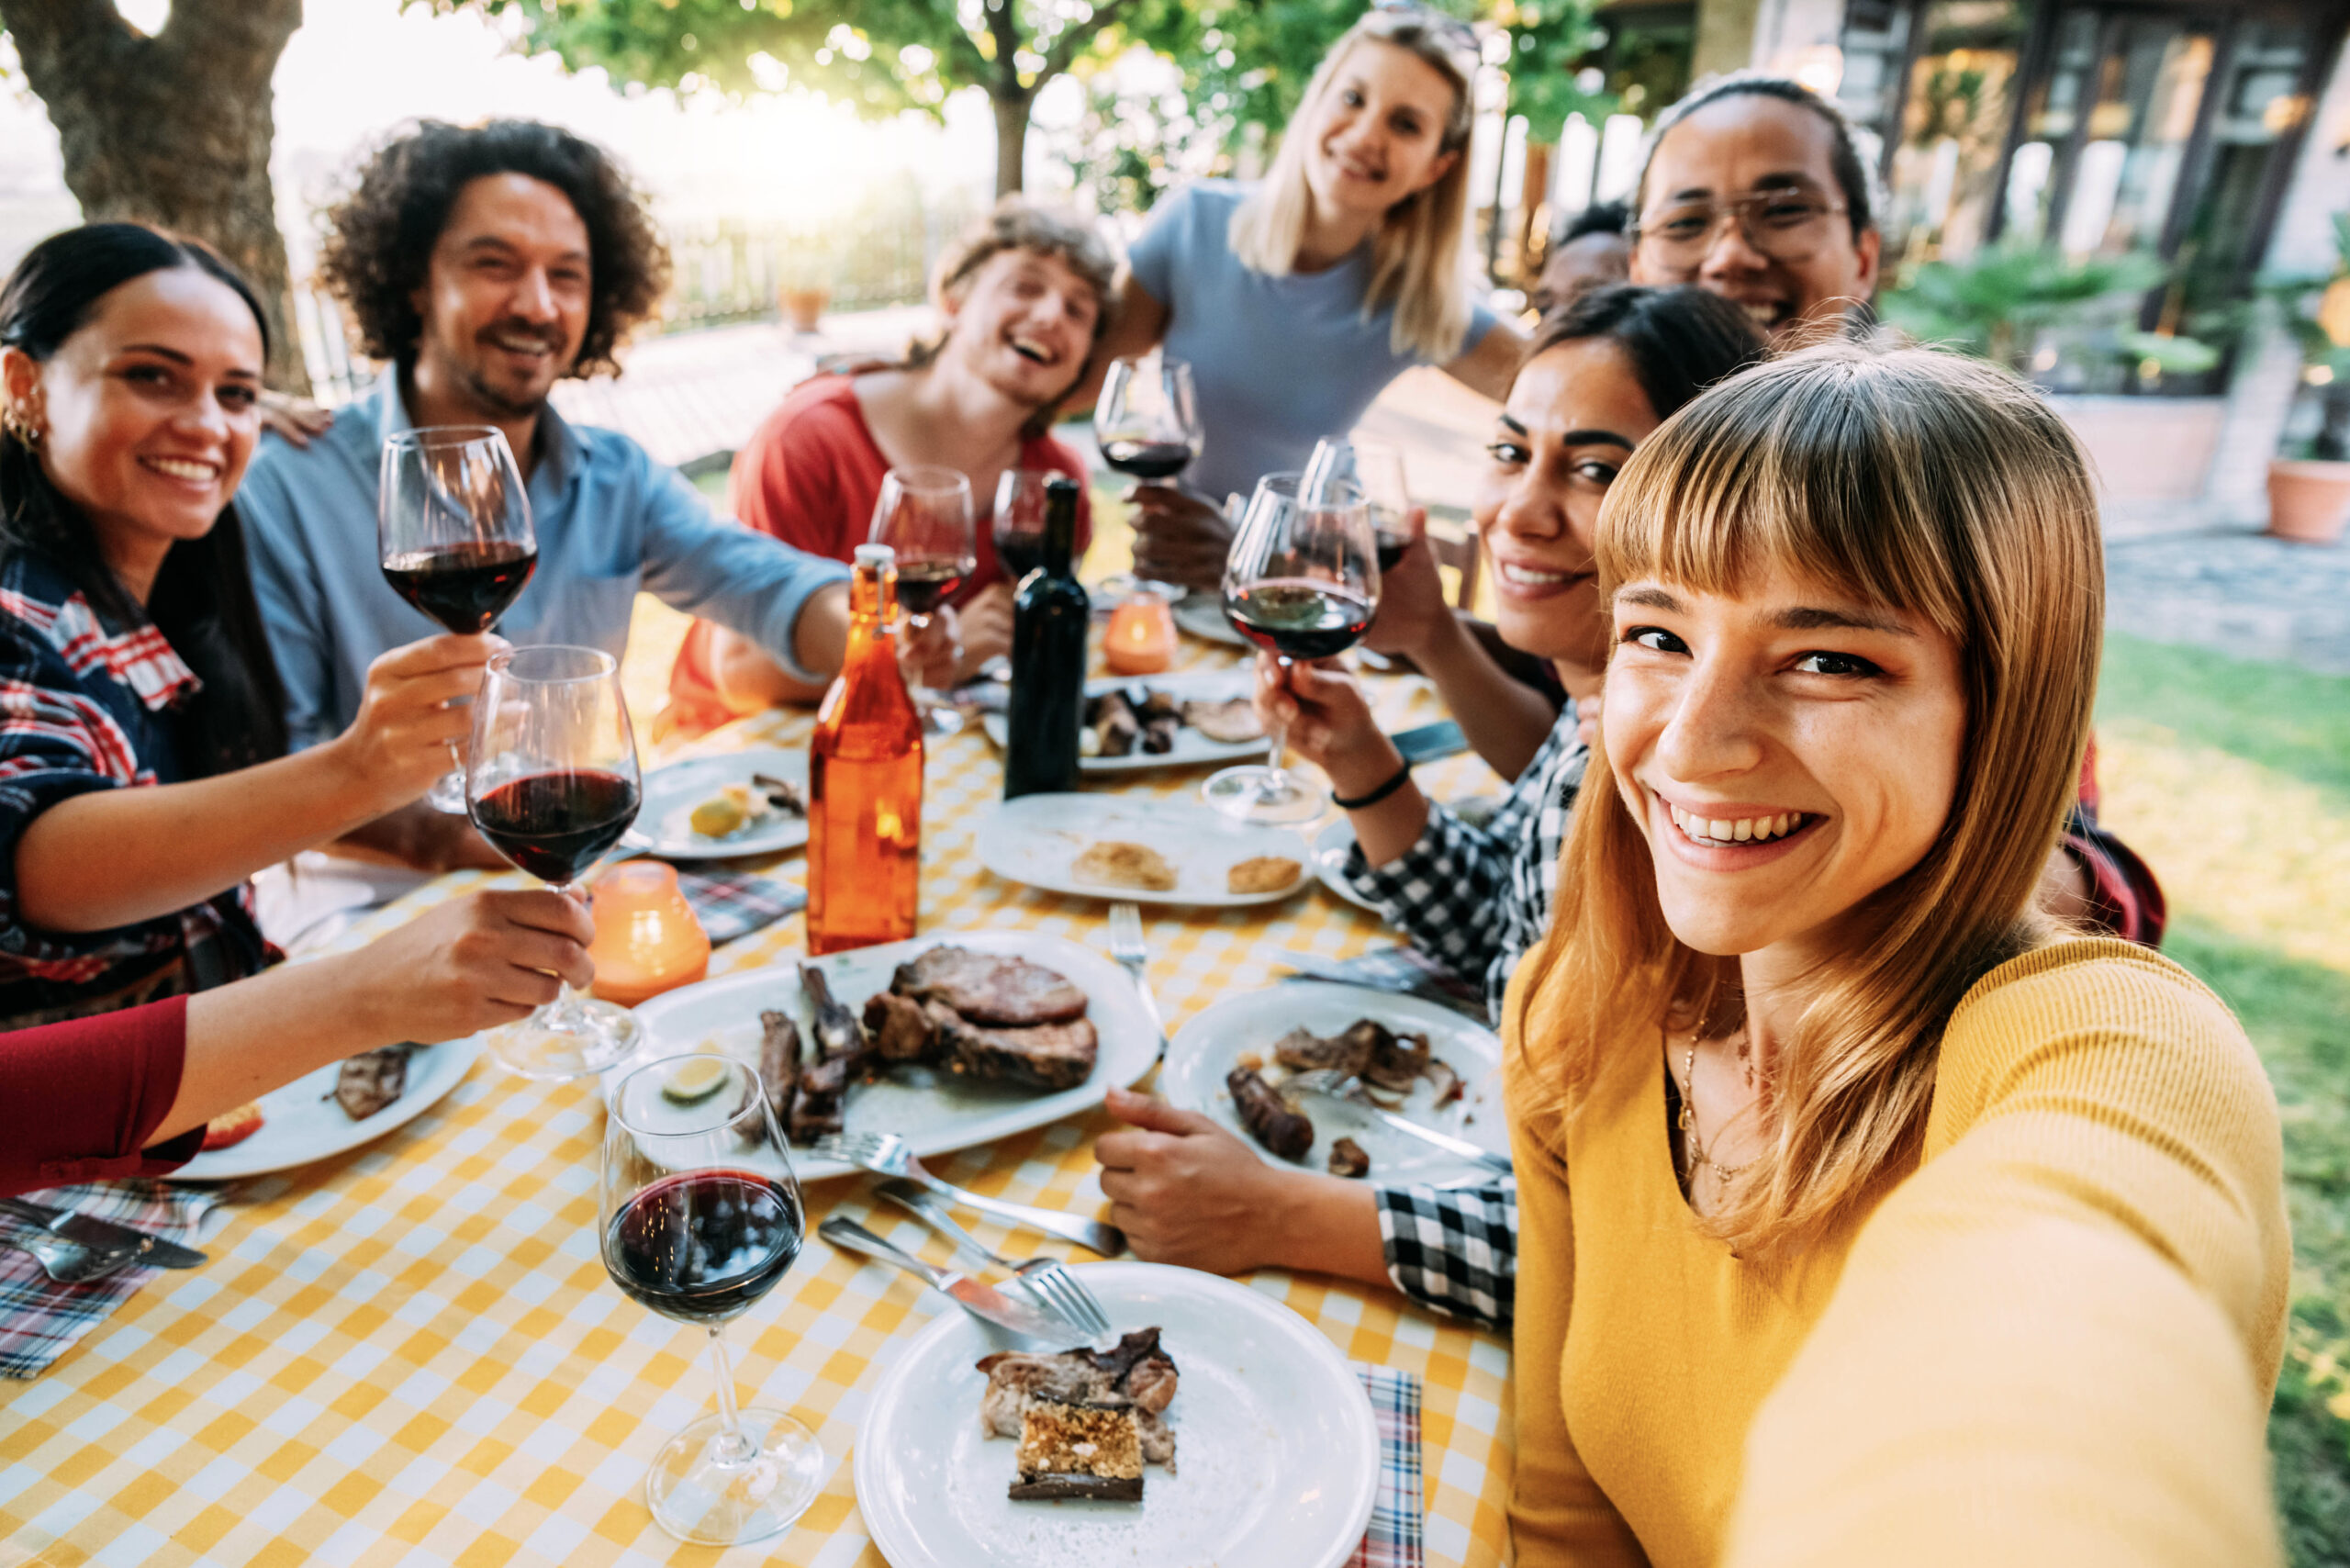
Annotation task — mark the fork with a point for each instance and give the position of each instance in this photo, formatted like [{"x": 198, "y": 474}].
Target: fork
[
  {"x": 1133, "y": 954},
  {"x": 887, "y": 1154},
  {"x": 69, "y": 1263},
  {"x": 1347, "y": 1086},
  {"x": 1046, "y": 1279}
]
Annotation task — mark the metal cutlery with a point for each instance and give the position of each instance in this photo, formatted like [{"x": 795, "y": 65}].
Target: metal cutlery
[
  {"x": 1346, "y": 1087},
  {"x": 69, "y": 1263},
  {"x": 1127, "y": 945},
  {"x": 101, "y": 1234},
  {"x": 887, "y": 1154},
  {"x": 1047, "y": 1279},
  {"x": 981, "y": 1300}
]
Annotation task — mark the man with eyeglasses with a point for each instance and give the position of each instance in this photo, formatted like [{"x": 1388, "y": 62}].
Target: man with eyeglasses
[{"x": 1754, "y": 189}]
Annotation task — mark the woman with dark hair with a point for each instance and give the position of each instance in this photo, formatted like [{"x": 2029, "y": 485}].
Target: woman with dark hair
[
  {"x": 142, "y": 738},
  {"x": 1605, "y": 371}
]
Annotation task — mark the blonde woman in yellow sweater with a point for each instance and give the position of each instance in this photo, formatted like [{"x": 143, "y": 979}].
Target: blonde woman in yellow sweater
[{"x": 1866, "y": 1218}]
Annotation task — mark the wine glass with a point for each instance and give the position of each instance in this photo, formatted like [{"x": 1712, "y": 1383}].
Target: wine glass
[
  {"x": 924, "y": 514},
  {"x": 452, "y": 529},
  {"x": 553, "y": 785},
  {"x": 1018, "y": 521},
  {"x": 1377, "y": 471},
  {"x": 698, "y": 1215},
  {"x": 1146, "y": 423},
  {"x": 1303, "y": 581}
]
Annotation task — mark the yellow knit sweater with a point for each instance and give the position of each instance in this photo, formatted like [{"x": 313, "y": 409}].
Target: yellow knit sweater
[{"x": 2052, "y": 1341}]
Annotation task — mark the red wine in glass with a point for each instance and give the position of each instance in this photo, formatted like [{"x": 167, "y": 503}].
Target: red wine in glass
[
  {"x": 1021, "y": 553},
  {"x": 557, "y": 823},
  {"x": 703, "y": 1246},
  {"x": 1299, "y": 619},
  {"x": 1148, "y": 460},
  {"x": 1392, "y": 543},
  {"x": 924, "y": 585},
  {"x": 464, "y": 587}
]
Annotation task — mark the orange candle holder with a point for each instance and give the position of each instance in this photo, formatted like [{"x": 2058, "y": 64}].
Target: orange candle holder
[
  {"x": 648, "y": 937},
  {"x": 1140, "y": 638}
]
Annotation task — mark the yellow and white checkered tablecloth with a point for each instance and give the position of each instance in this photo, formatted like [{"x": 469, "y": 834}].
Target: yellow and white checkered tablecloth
[{"x": 410, "y": 1354}]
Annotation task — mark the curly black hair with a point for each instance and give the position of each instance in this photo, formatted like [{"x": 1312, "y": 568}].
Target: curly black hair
[{"x": 379, "y": 240}]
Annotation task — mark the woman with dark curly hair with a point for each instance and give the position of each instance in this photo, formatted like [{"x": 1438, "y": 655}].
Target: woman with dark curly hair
[{"x": 484, "y": 263}]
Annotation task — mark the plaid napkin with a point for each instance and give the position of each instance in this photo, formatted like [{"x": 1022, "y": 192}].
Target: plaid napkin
[
  {"x": 1398, "y": 1507},
  {"x": 735, "y": 903},
  {"x": 40, "y": 1319},
  {"x": 1406, "y": 970}
]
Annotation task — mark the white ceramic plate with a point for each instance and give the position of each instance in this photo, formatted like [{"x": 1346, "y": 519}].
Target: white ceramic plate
[
  {"x": 936, "y": 1111},
  {"x": 1276, "y": 1449},
  {"x": 1191, "y": 748},
  {"x": 1205, "y": 1048},
  {"x": 664, "y": 825},
  {"x": 1202, "y": 615},
  {"x": 1331, "y": 846},
  {"x": 1036, "y": 839},
  {"x": 300, "y": 1122}
]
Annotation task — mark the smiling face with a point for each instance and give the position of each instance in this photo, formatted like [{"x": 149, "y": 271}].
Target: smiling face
[
  {"x": 1574, "y": 413},
  {"x": 505, "y": 300},
  {"x": 1785, "y": 750},
  {"x": 1024, "y": 323},
  {"x": 1741, "y": 146},
  {"x": 149, "y": 411},
  {"x": 1377, "y": 135}
]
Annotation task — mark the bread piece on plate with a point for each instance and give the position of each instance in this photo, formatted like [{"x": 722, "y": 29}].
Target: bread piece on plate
[
  {"x": 1228, "y": 722},
  {"x": 1117, "y": 864},
  {"x": 1263, "y": 874},
  {"x": 1078, "y": 1450},
  {"x": 232, "y": 1127}
]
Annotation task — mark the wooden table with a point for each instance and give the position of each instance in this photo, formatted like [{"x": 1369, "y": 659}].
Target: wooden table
[{"x": 411, "y": 1353}]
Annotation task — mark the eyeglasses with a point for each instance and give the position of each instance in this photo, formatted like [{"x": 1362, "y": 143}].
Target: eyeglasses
[
  {"x": 1454, "y": 32},
  {"x": 1785, "y": 226}
]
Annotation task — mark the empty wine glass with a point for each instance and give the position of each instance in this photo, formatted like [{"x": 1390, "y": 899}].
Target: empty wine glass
[
  {"x": 1301, "y": 581},
  {"x": 698, "y": 1215},
  {"x": 924, "y": 514},
  {"x": 453, "y": 528},
  {"x": 553, "y": 784},
  {"x": 1377, "y": 471}
]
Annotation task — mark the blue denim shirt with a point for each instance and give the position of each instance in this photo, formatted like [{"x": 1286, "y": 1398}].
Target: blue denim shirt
[{"x": 609, "y": 520}]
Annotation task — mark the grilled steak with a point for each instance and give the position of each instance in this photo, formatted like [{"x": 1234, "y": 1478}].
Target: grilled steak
[
  {"x": 779, "y": 1062},
  {"x": 902, "y": 1031},
  {"x": 1136, "y": 1374},
  {"x": 1269, "y": 1117},
  {"x": 1158, "y": 734},
  {"x": 1303, "y": 1050},
  {"x": 1049, "y": 1056},
  {"x": 816, "y": 1109},
  {"x": 1348, "y": 1157},
  {"x": 1112, "y": 719},
  {"x": 371, "y": 1081},
  {"x": 986, "y": 989}
]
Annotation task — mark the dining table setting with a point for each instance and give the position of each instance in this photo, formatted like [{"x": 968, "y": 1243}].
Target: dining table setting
[{"x": 422, "y": 1335}]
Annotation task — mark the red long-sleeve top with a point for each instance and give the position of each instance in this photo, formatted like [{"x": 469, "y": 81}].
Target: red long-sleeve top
[{"x": 78, "y": 1100}]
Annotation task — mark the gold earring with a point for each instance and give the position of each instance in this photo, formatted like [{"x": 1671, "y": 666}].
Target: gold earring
[{"x": 17, "y": 424}]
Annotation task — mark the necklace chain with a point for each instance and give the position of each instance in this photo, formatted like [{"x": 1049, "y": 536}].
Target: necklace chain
[{"x": 1698, "y": 1157}]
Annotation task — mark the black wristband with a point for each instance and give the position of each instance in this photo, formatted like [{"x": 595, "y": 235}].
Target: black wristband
[{"x": 1375, "y": 796}]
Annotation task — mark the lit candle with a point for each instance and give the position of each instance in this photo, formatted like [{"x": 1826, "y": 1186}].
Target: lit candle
[
  {"x": 647, "y": 938},
  {"x": 1141, "y": 636}
]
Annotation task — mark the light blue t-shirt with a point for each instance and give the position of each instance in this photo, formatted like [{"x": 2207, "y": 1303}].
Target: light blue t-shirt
[
  {"x": 1278, "y": 363},
  {"x": 608, "y": 520}
]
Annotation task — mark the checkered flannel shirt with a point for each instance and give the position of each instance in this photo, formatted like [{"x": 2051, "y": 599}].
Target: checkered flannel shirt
[
  {"x": 1474, "y": 899},
  {"x": 85, "y": 707}
]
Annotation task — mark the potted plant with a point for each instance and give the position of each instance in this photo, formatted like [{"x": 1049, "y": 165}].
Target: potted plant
[{"x": 2309, "y": 481}]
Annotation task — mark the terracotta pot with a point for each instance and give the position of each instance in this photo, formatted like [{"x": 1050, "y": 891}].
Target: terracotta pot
[
  {"x": 2309, "y": 501},
  {"x": 804, "y": 308}
]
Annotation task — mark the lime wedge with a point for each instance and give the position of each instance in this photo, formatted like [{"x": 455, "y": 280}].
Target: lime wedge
[{"x": 695, "y": 1080}]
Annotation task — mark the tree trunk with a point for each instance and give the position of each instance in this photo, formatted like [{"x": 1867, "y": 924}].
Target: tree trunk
[
  {"x": 1012, "y": 104},
  {"x": 174, "y": 129},
  {"x": 1533, "y": 192}
]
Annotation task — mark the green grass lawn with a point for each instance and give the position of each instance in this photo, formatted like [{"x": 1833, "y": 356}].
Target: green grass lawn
[{"x": 2233, "y": 779}]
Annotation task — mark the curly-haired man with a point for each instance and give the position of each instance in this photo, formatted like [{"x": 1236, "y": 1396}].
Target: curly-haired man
[{"x": 482, "y": 264}]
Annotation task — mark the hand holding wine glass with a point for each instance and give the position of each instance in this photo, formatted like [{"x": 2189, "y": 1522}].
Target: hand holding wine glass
[
  {"x": 1146, "y": 423},
  {"x": 412, "y": 714},
  {"x": 1377, "y": 471},
  {"x": 699, "y": 1217},
  {"x": 453, "y": 524},
  {"x": 551, "y": 785},
  {"x": 924, "y": 514}
]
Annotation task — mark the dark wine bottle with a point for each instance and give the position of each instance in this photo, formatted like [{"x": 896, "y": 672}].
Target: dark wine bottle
[{"x": 1049, "y": 615}]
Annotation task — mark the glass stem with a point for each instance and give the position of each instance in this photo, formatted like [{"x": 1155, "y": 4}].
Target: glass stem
[
  {"x": 564, "y": 1012},
  {"x": 732, "y": 1446},
  {"x": 1276, "y": 741}
]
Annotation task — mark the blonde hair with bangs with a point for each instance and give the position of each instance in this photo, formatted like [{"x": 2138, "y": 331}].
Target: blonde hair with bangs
[
  {"x": 1946, "y": 488},
  {"x": 1419, "y": 258}
]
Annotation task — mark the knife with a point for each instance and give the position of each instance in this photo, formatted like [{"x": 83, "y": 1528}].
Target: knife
[
  {"x": 153, "y": 1250},
  {"x": 981, "y": 1300}
]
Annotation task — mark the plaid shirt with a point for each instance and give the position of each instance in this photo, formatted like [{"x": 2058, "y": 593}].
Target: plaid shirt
[{"x": 83, "y": 707}]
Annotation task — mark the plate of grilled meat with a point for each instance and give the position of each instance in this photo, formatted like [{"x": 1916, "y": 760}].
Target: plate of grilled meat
[
  {"x": 331, "y": 1110},
  {"x": 948, "y": 1040},
  {"x": 1194, "y": 717},
  {"x": 1219, "y": 1427},
  {"x": 1244, "y": 1060}
]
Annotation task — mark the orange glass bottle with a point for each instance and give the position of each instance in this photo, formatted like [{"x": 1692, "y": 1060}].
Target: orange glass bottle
[{"x": 864, "y": 780}]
